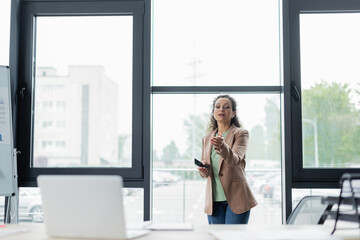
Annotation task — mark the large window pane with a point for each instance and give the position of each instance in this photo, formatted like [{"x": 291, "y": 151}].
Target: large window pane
[
  {"x": 2, "y": 209},
  {"x": 310, "y": 212},
  {"x": 299, "y": 193},
  {"x": 330, "y": 76},
  {"x": 5, "y": 31},
  {"x": 133, "y": 206},
  {"x": 30, "y": 205},
  {"x": 179, "y": 122},
  {"x": 83, "y": 92},
  {"x": 201, "y": 42}
]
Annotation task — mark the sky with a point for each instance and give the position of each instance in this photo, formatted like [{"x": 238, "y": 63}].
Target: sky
[
  {"x": 330, "y": 49},
  {"x": 228, "y": 41},
  {"x": 96, "y": 40},
  {"x": 100, "y": 41}
]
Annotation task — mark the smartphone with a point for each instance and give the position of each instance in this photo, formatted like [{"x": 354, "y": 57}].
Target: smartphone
[{"x": 200, "y": 164}]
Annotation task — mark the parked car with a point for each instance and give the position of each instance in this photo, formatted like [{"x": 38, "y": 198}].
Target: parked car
[
  {"x": 268, "y": 188},
  {"x": 260, "y": 181},
  {"x": 30, "y": 206},
  {"x": 164, "y": 178},
  {"x": 130, "y": 191}
]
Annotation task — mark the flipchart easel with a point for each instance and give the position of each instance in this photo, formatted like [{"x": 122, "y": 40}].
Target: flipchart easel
[{"x": 8, "y": 160}]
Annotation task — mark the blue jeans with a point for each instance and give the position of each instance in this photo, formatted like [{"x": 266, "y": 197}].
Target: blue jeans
[{"x": 222, "y": 214}]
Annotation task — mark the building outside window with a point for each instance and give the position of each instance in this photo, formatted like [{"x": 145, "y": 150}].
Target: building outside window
[{"x": 65, "y": 109}]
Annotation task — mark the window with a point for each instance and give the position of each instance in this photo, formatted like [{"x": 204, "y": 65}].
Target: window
[
  {"x": 179, "y": 191},
  {"x": 47, "y": 124},
  {"x": 330, "y": 89},
  {"x": 83, "y": 70},
  {"x": 299, "y": 193},
  {"x": 47, "y": 106},
  {"x": 217, "y": 45},
  {"x": 325, "y": 91},
  {"x": 61, "y": 124},
  {"x": 30, "y": 206},
  {"x": 95, "y": 66},
  {"x": 233, "y": 48},
  {"x": 2, "y": 209}
]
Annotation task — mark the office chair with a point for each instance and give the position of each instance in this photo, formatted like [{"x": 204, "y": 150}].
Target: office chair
[
  {"x": 310, "y": 210},
  {"x": 349, "y": 195}
]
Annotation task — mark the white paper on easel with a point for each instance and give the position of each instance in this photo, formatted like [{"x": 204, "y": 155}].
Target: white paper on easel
[
  {"x": 4, "y": 116},
  {"x": 8, "y": 171}
]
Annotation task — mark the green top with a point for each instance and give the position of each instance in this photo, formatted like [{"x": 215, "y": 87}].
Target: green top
[{"x": 217, "y": 190}]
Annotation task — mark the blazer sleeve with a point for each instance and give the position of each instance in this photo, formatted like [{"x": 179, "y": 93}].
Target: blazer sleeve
[{"x": 235, "y": 155}]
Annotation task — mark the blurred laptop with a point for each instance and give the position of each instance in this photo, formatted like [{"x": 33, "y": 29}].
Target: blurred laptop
[{"x": 84, "y": 206}]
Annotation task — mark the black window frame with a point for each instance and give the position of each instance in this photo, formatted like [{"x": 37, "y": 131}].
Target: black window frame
[
  {"x": 21, "y": 63},
  {"x": 294, "y": 175},
  {"x": 305, "y": 177}
]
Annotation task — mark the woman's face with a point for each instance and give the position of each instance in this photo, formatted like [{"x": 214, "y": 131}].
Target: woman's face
[{"x": 223, "y": 112}]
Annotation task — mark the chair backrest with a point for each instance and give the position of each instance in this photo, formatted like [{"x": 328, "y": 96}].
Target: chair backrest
[
  {"x": 350, "y": 185},
  {"x": 310, "y": 210}
]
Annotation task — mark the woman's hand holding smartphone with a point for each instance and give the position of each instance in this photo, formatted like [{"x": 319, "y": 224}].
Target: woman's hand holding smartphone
[
  {"x": 202, "y": 167},
  {"x": 200, "y": 164}
]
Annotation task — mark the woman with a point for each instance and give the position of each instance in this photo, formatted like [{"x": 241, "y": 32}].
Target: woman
[{"x": 228, "y": 196}]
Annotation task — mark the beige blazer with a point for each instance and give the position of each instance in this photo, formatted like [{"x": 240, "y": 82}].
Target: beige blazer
[{"x": 231, "y": 171}]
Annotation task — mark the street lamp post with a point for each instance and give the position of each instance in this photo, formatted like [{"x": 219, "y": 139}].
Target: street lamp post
[{"x": 313, "y": 123}]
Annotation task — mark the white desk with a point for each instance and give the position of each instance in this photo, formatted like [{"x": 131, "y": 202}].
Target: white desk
[{"x": 37, "y": 232}]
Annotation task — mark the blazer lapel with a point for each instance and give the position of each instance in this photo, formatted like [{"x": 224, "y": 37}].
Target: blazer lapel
[
  {"x": 209, "y": 147},
  {"x": 228, "y": 139}
]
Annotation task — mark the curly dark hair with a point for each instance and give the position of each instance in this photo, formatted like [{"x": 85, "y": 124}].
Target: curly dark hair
[{"x": 235, "y": 120}]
